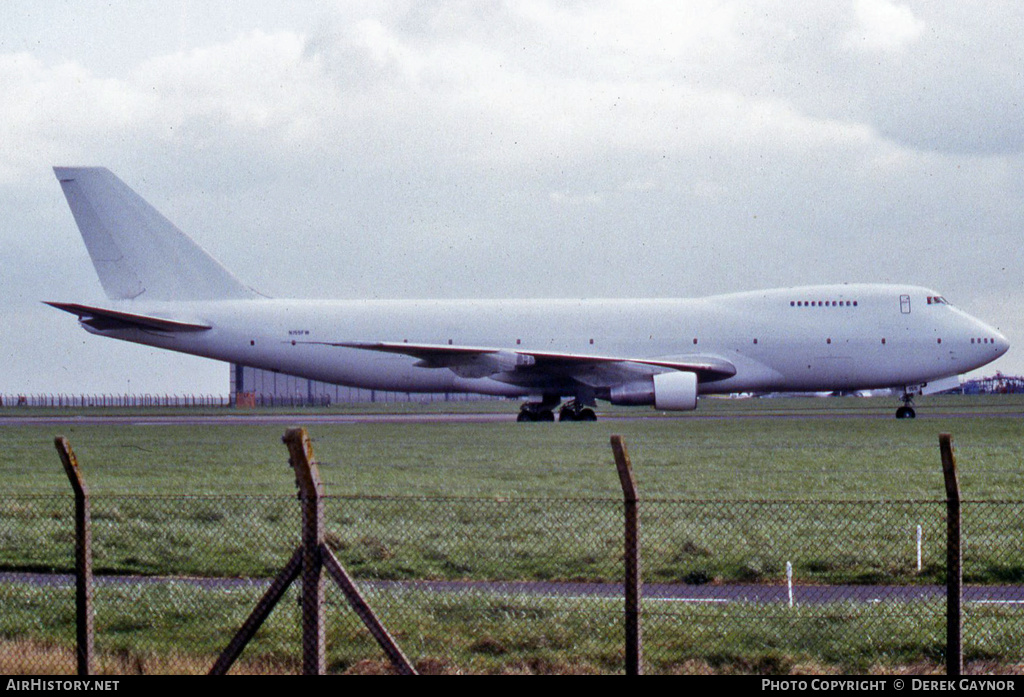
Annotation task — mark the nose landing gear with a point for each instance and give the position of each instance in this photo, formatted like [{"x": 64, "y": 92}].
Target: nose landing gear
[{"x": 907, "y": 410}]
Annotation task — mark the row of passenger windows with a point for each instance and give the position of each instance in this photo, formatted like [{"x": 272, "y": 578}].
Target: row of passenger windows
[
  {"x": 973, "y": 341},
  {"x": 823, "y": 303}
]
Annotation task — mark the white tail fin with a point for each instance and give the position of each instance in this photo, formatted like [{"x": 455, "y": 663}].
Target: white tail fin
[{"x": 137, "y": 252}]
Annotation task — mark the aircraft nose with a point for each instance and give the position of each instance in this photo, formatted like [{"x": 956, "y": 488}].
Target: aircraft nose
[
  {"x": 994, "y": 343},
  {"x": 1002, "y": 343},
  {"x": 994, "y": 336}
]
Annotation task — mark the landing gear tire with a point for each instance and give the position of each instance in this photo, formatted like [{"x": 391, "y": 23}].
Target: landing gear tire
[
  {"x": 905, "y": 413},
  {"x": 573, "y": 411},
  {"x": 535, "y": 416},
  {"x": 538, "y": 411}
]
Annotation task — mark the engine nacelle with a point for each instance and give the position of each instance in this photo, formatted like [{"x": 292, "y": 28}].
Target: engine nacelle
[{"x": 675, "y": 391}]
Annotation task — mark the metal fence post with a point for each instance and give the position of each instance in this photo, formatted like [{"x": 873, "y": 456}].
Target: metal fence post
[
  {"x": 83, "y": 559},
  {"x": 634, "y": 647},
  {"x": 954, "y": 561},
  {"x": 307, "y": 477}
]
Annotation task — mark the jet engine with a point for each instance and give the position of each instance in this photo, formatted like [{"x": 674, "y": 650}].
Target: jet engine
[{"x": 674, "y": 391}]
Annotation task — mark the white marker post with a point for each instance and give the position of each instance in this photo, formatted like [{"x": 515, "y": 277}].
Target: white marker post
[
  {"x": 789, "y": 581},
  {"x": 919, "y": 537}
]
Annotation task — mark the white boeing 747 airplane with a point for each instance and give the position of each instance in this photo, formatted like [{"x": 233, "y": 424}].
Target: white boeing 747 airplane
[{"x": 165, "y": 291}]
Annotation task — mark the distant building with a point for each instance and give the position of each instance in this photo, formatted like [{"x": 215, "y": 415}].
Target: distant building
[
  {"x": 997, "y": 384},
  {"x": 256, "y": 387}
]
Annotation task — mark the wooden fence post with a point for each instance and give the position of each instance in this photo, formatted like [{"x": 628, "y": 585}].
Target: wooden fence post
[
  {"x": 307, "y": 477},
  {"x": 954, "y": 561},
  {"x": 317, "y": 556},
  {"x": 258, "y": 616},
  {"x": 310, "y": 560},
  {"x": 83, "y": 559},
  {"x": 634, "y": 644}
]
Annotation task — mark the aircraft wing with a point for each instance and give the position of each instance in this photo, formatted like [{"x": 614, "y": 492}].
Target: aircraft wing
[
  {"x": 520, "y": 366},
  {"x": 102, "y": 319}
]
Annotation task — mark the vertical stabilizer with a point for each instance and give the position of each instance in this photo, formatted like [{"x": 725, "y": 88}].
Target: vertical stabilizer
[{"x": 137, "y": 252}]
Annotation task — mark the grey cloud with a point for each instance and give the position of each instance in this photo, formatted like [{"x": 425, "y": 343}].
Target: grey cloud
[{"x": 535, "y": 149}]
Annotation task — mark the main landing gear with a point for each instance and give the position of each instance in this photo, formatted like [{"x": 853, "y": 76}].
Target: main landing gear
[
  {"x": 539, "y": 411},
  {"x": 545, "y": 411},
  {"x": 907, "y": 410},
  {"x": 576, "y": 411}
]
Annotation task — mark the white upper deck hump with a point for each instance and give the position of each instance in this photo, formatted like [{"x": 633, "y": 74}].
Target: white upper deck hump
[{"x": 137, "y": 252}]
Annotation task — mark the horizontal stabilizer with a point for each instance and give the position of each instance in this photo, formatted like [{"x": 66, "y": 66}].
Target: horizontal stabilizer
[{"x": 102, "y": 319}]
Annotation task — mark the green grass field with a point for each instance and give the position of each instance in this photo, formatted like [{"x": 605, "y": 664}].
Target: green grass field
[
  {"x": 731, "y": 493},
  {"x": 783, "y": 479},
  {"x": 802, "y": 449}
]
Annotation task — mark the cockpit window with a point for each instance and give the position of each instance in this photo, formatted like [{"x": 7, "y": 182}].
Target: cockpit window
[{"x": 937, "y": 300}]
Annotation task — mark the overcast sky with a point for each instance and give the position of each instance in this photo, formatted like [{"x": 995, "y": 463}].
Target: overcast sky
[{"x": 531, "y": 149}]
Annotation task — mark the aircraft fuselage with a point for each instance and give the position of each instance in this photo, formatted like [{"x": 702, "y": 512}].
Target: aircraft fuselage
[{"x": 818, "y": 338}]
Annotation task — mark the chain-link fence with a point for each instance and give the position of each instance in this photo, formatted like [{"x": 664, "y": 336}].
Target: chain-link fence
[{"x": 482, "y": 585}]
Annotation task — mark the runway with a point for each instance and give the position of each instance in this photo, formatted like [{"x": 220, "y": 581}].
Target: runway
[
  {"x": 248, "y": 419},
  {"x": 707, "y": 594},
  {"x": 256, "y": 418}
]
